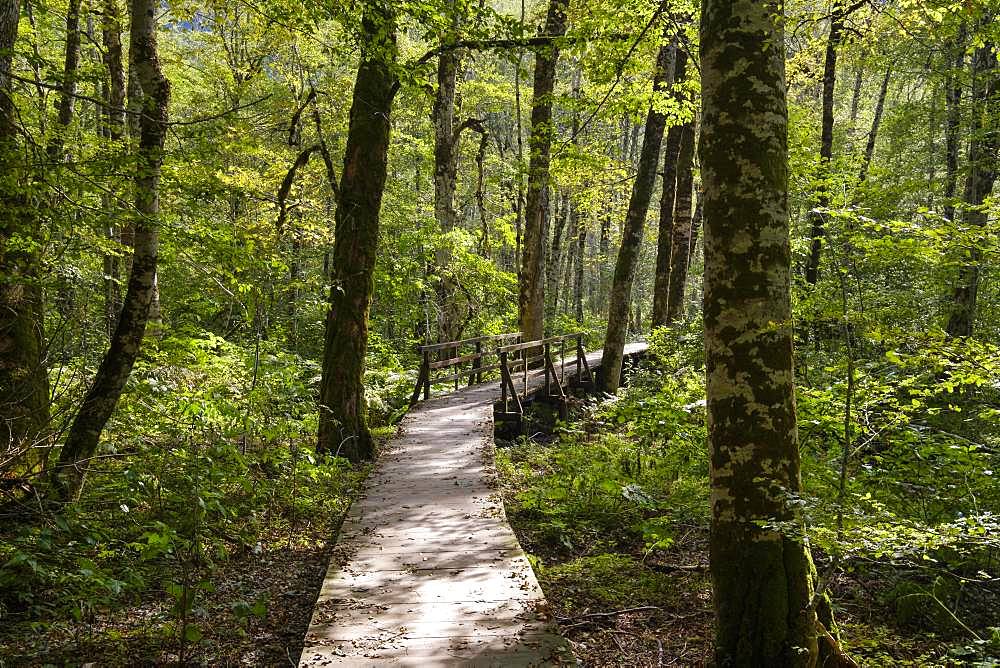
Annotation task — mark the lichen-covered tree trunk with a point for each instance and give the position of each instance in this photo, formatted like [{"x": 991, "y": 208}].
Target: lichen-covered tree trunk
[
  {"x": 672, "y": 147},
  {"x": 984, "y": 147},
  {"x": 24, "y": 384},
  {"x": 680, "y": 241},
  {"x": 760, "y": 563},
  {"x": 445, "y": 176},
  {"x": 581, "y": 250},
  {"x": 342, "y": 417},
  {"x": 531, "y": 297},
  {"x": 102, "y": 397},
  {"x": 620, "y": 297}
]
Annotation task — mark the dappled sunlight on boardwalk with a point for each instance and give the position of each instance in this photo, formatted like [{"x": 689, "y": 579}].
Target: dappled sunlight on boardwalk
[{"x": 427, "y": 571}]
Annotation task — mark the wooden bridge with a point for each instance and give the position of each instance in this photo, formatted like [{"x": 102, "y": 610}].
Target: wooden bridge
[{"x": 426, "y": 570}]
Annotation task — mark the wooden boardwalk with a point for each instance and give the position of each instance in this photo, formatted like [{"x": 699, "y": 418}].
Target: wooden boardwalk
[{"x": 426, "y": 570}]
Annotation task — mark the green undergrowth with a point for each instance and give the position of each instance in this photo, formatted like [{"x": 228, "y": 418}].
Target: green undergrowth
[
  {"x": 202, "y": 528},
  {"x": 614, "y": 509}
]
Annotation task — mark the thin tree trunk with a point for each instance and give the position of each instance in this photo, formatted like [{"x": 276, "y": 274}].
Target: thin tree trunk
[
  {"x": 816, "y": 218},
  {"x": 581, "y": 250},
  {"x": 554, "y": 263},
  {"x": 873, "y": 134},
  {"x": 531, "y": 300},
  {"x": 953, "y": 122},
  {"x": 635, "y": 220},
  {"x": 102, "y": 397},
  {"x": 661, "y": 279},
  {"x": 445, "y": 176},
  {"x": 67, "y": 91},
  {"x": 114, "y": 130},
  {"x": 681, "y": 238},
  {"x": 982, "y": 174},
  {"x": 24, "y": 382},
  {"x": 762, "y": 573},
  {"x": 343, "y": 428}
]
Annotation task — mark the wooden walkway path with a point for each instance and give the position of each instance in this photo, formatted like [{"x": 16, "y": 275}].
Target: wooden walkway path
[{"x": 427, "y": 571}]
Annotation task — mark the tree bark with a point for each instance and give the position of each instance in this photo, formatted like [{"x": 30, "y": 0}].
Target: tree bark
[
  {"x": 680, "y": 241},
  {"x": 445, "y": 175},
  {"x": 581, "y": 250},
  {"x": 816, "y": 218},
  {"x": 106, "y": 388},
  {"x": 982, "y": 174},
  {"x": 552, "y": 272},
  {"x": 866, "y": 161},
  {"x": 761, "y": 572},
  {"x": 953, "y": 122},
  {"x": 628, "y": 254},
  {"x": 114, "y": 130},
  {"x": 531, "y": 298},
  {"x": 343, "y": 428},
  {"x": 24, "y": 382},
  {"x": 661, "y": 280}
]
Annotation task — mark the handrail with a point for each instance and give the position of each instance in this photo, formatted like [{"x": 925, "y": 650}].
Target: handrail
[
  {"x": 508, "y": 390},
  {"x": 475, "y": 373}
]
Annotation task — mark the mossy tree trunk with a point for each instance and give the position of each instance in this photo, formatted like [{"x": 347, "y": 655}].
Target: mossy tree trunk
[
  {"x": 105, "y": 390},
  {"x": 762, "y": 572},
  {"x": 343, "y": 428},
  {"x": 620, "y": 297},
  {"x": 24, "y": 384},
  {"x": 531, "y": 298}
]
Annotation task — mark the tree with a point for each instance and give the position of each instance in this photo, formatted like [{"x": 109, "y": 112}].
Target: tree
[
  {"x": 343, "y": 428},
  {"x": 680, "y": 242},
  {"x": 983, "y": 165},
  {"x": 665, "y": 232},
  {"x": 531, "y": 298},
  {"x": 620, "y": 298},
  {"x": 24, "y": 383},
  {"x": 760, "y": 563},
  {"x": 102, "y": 397}
]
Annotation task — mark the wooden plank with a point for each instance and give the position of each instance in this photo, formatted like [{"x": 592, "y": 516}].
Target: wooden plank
[{"x": 441, "y": 364}]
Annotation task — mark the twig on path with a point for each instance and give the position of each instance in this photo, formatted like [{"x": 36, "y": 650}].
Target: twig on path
[{"x": 590, "y": 617}]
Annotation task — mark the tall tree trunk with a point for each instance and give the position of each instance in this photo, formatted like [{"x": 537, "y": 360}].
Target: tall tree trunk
[
  {"x": 24, "y": 382},
  {"x": 661, "y": 279},
  {"x": 67, "y": 91},
  {"x": 581, "y": 250},
  {"x": 816, "y": 218},
  {"x": 635, "y": 220},
  {"x": 866, "y": 161},
  {"x": 553, "y": 265},
  {"x": 102, "y": 397},
  {"x": 762, "y": 572},
  {"x": 953, "y": 121},
  {"x": 982, "y": 174},
  {"x": 531, "y": 299},
  {"x": 343, "y": 428},
  {"x": 681, "y": 238},
  {"x": 445, "y": 174},
  {"x": 114, "y": 130}
]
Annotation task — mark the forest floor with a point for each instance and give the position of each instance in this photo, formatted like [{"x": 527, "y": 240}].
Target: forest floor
[
  {"x": 630, "y": 586},
  {"x": 124, "y": 591}
]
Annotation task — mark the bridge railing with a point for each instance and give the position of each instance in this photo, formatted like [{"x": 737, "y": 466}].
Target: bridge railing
[
  {"x": 523, "y": 356},
  {"x": 452, "y": 354}
]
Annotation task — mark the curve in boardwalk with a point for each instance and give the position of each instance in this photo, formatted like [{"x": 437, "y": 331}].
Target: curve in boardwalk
[{"x": 427, "y": 571}]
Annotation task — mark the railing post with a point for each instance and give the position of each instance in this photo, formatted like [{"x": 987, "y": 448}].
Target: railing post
[
  {"x": 545, "y": 353},
  {"x": 478, "y": 364},
  {"x": 504, "y": 372},
  {"x": 427, "y": 375}
]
